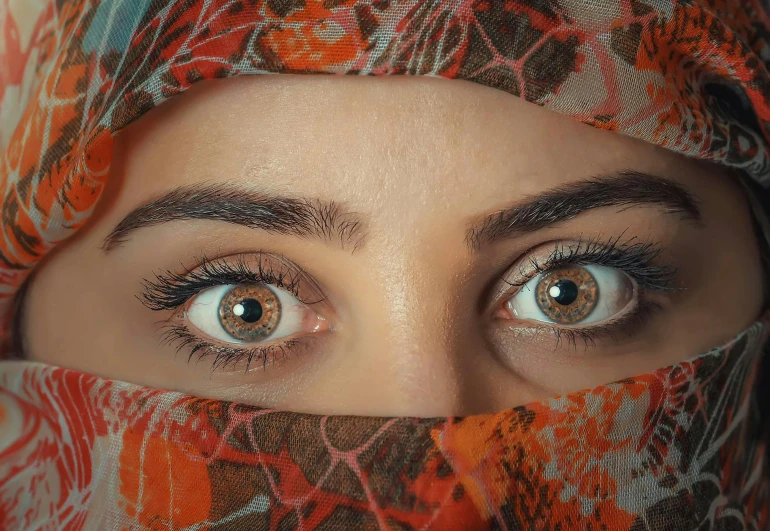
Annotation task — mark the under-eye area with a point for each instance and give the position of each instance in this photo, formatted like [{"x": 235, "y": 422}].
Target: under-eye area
[
  {"x": 373, "y": 264},
  {"x": 241, "y": 310},
  {"x": 411, "y": 270}
]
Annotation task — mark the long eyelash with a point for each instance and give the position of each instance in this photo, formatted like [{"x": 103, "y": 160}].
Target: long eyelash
[
  {"x": 632, "y": 257},
  {"x": 170, "y": 290},
  {"x": 224, "y": 357}
]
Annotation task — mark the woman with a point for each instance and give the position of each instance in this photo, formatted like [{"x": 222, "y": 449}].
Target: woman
[{"x": 396, "y": 261}]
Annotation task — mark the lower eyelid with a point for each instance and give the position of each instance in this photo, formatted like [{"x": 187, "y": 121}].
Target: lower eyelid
[
  {"x": 641, "y": 260},
  {"x": 174, "y": 292},
  {"x": 225, "y": 358},
  {"x": 626, "y": 325}
]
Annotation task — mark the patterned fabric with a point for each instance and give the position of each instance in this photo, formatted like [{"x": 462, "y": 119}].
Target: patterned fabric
[
  {"x": 688, "y": 75},
  {"x": 675, "y": 449}
]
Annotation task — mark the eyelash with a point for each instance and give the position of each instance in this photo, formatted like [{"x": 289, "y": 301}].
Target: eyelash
[
  {"x": 170, "y": 291},
  {"x": 224, "y": 357},
  {"x": 634, "y": 258}
]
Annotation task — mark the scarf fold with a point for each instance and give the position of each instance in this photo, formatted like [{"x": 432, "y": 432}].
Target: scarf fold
[
  {"x": 691, "y": 76},
  {"x": 680, "y": 448}
]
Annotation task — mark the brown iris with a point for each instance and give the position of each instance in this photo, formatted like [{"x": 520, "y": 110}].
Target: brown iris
[
  {"x": 250, "y": 313},
  {"x": 568, "y": 294}
]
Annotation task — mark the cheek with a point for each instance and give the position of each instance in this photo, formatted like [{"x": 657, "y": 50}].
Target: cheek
[
  {"x": 53, "y": 309},
  {"x": 78, "y": 316},
  {"x": 744, "y": 275},
  {"x": 730, "y": 280}
]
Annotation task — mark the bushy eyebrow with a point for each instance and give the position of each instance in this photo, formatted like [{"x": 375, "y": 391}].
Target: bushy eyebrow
[
  {"x": 626, "y": 189},
  {"x": 230, "y": 203},
  {"x": 328, "y": 221}
]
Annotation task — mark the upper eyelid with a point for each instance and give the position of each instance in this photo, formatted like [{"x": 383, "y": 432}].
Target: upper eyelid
[
  {"x": 165, "y": 291},
  {"x": 529, "y": 265},
  {"x": 582, "y": 248}
]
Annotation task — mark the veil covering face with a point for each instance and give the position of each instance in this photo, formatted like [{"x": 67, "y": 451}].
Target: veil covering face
[{"x": 683, "y": 447}]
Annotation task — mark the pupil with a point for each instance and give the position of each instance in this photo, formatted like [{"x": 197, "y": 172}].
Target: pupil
[
  {"x": 252, "y": 310},
  {"x": 566, "y": 292}
]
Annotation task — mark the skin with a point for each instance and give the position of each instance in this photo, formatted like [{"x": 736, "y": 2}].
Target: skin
[{"x": 413, "y": 324}]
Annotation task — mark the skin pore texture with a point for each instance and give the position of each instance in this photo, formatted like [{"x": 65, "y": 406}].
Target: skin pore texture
[{"x": 393, "y": 185}]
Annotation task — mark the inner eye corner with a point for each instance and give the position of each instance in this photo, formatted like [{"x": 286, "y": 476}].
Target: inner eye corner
[{"x": 569, "y": 297}]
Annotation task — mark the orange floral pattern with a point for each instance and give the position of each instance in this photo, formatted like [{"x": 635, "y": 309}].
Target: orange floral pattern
[
  {"x": 691, "y": 76},
  {"x": 679, "y": 448}
]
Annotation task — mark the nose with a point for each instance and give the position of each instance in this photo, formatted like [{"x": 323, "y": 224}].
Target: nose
[{"x": 419, "y": 345}]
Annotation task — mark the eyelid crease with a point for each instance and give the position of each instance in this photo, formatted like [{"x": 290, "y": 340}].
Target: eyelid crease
[
  {"x": 635, "y": 258},
  {"x": 174, "y": 291},
  {"x": 170, "y": 290}
]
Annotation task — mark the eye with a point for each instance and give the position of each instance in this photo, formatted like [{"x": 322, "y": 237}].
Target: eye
[
  {"x": 252, "y": 313},
  {"x": 574, "y": 295}
]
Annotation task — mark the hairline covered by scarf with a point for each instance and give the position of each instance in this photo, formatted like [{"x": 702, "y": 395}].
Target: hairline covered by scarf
[
  {"x": 688, "y": 76},
  {"x": 666, "y": 449}
]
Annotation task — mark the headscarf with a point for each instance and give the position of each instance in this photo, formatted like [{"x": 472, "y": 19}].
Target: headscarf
[{"x": 679, "y": 448}]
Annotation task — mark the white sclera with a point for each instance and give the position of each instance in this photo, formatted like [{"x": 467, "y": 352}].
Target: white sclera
[
  {"x": 616, "y": 291},
  {"x": 203, "y": 313}
]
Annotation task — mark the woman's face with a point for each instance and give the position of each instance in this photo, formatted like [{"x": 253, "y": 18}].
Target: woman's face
[{"x": 391, "y": 247}]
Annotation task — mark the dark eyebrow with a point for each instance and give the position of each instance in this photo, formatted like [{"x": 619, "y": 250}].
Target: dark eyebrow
[
  {"x": 625, "y": 189},
  {"x": 240, "y": 206}
]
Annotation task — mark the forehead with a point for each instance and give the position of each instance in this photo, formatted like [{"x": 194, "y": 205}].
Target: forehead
[{"x": 340, "y": 138}]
